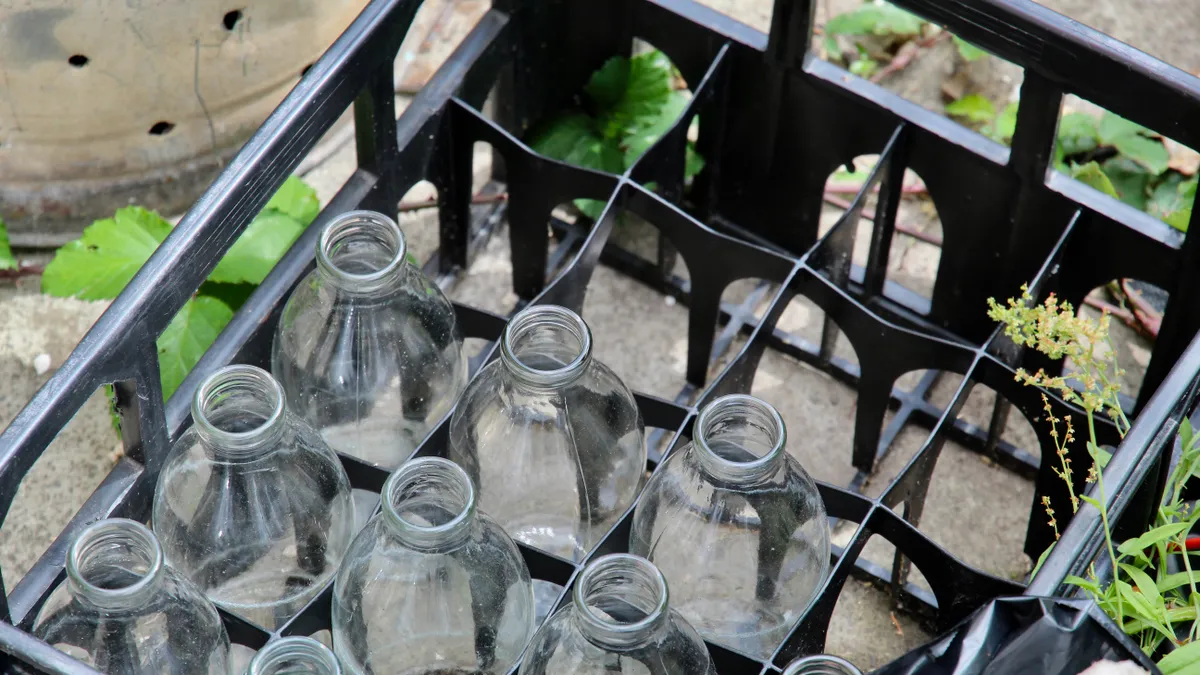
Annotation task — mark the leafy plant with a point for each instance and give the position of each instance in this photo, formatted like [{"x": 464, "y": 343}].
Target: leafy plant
[
  {"x": 7, "y": 261},
  {"x": 1111, "y": 154},
  {"x": 881, "y": 21},
  {"x": 99, "y": 265},
  {"x": 1143, "y": 597},
  {"x": 628, "y": 104}
]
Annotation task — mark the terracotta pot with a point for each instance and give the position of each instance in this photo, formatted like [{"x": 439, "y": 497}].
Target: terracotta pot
[{"x": 106, "y": 103}]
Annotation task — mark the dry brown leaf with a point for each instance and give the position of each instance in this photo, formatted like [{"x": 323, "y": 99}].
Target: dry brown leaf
[{"x": 1182, "y": 158}]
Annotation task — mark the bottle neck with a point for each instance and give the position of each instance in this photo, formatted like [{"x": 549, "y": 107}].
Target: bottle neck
[
  {"x": 821, "y": 664},
  {"x": 620, "y": 601},
  {"x": 115, "y": 564},
  {"x": 294, "y": 655},
  {"x": 740, "y": 439},
  {"x": 429, "y": 504},
  {"x": 239, "y": 412},
  {"x": 362, "y": 254},
  {"x": 546, "y": 347}
]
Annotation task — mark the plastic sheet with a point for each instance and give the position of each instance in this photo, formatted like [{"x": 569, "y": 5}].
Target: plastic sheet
[{"x": 1023, "y": 636}]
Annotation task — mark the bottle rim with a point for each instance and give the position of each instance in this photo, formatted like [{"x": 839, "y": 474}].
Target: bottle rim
[
  {"x": 607, "y": 575},
  {"x": 308, "y": 650},
  {"x": 217, "y": 386},
  {"x": 410, "y": 477},
  {"x": 103, "y": 537},
  {"x": 821, "y": 664},
  {"x": 540, "y": 316},
  {"x": 369, "y": 224},
  {"x": 739, "y": 405}
]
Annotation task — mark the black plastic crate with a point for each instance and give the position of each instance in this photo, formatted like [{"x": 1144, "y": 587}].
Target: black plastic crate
[{"x": 775, "y": 121}]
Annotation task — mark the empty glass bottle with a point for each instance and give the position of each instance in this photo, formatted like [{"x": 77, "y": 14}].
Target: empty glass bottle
[
  {"x": 431, "y": 586},
  {"x": 619, "y": 621},
  {"x": 368, "y": 349},
  {"x": 821, "y": 664},
  {"x": 252, "y": 505},
  {"x": 552, "y": 437},
  {"x": 123, "y": 611},
  {"x": 737, "y": 526},
  {"x": 294, "y": 656}
]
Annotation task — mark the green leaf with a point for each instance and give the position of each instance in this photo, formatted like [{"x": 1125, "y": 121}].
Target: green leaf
[
  {"x": 1165, "y": 197},
  {"x": 101, "y": 262},
  {"x": 1149, "y": 152},
  {"x": 693, "y": 163},
  {"x": 187, "y": 337},
  {"x": 1187, "y": 190},
  {"x": 1077, "y": 133},
  {"x": 1004, "y": 126},
  {"x": 876, "y": 18},
  {"x": 1091, "y": 174},
  {"x": 1042, "y": 559},
  {"x": 1186, "y": 434},
  {"x": 297, "y": 199},
  {"x": 7, "y": 261},
  {"x": 607, "y": 85},
  {"x": 1099, "y": 455},
  {"x": 864, "y": 67},
  {"x": 832, "y": 50},
  {"x": 1177, "y": 580},
  {"x": 1085, "y": 584},
  {"x": 559, "y": 138},
  {"x": 1179, "y": 219},
  {"x": 255, "y": 253},
  {"x": 1113, "y": 126},
  {"x": 1130, "y": 180},
  {"x": 592, "y": 208},
  {"x": 973, "y": 107},
  {"x": 1145, "y": 584},
  {"x": 647, "y": 92},
  {"x": 648, "y": 130},
  {"x": 1185, "y": 659},
  {"x": 1152, "y": 537},
  {"x": 968, "y": 51},
  {"x": 1143, "y": 608}
]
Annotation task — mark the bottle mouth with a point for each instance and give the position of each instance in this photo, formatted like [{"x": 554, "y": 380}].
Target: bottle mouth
[
  {"x": 237, "y": 406},
  {"x": 361, "y": 249},
  {"x": 430, "y": 501},
  {"x": 546, "y": 345},
  {"x": 740, "y": 436},
  {"x": 619, "y": 598},
  {"x": 294, "y": 656},
  {"x": 821, "y": 664},
  {"x": 113, "y": 560}
]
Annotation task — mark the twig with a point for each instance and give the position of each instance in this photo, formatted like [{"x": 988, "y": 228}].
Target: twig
[
  {"x": 23, "y": 271},
  {"x": 905, "y": 55},
  {"x": 896, "y": 623},
  {"x": 1121, "y": 313},
  {"x": 432, "y": 203},
  {"x": 1149, "y": 318},
  {"x": 853, "y": 188},
  {"x": 902, "y": 228}
]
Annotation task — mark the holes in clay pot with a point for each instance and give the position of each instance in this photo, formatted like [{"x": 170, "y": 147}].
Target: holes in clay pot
[
  {"x": 78, "y": 60},
  {"x": 231, "y": 19},
  {"x": 161, "y": 128}
]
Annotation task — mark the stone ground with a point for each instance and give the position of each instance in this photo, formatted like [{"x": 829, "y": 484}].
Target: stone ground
[{"x": 643, "y": 337}]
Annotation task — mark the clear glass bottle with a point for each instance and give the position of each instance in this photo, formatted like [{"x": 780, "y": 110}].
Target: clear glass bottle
[
  {"x": 821, "y": 664},
  {"x": 368, "y": 349},
  {"x": 294, "y": 656},
  {"x": 737, "y": 526},
  {"x": 431, "y": 586},
  {"x": 552, "y": 437},
  {"x": 251, "y": 504},
  {"x": 123, "y": 610},
  {"x": 619, "y": 621}
]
